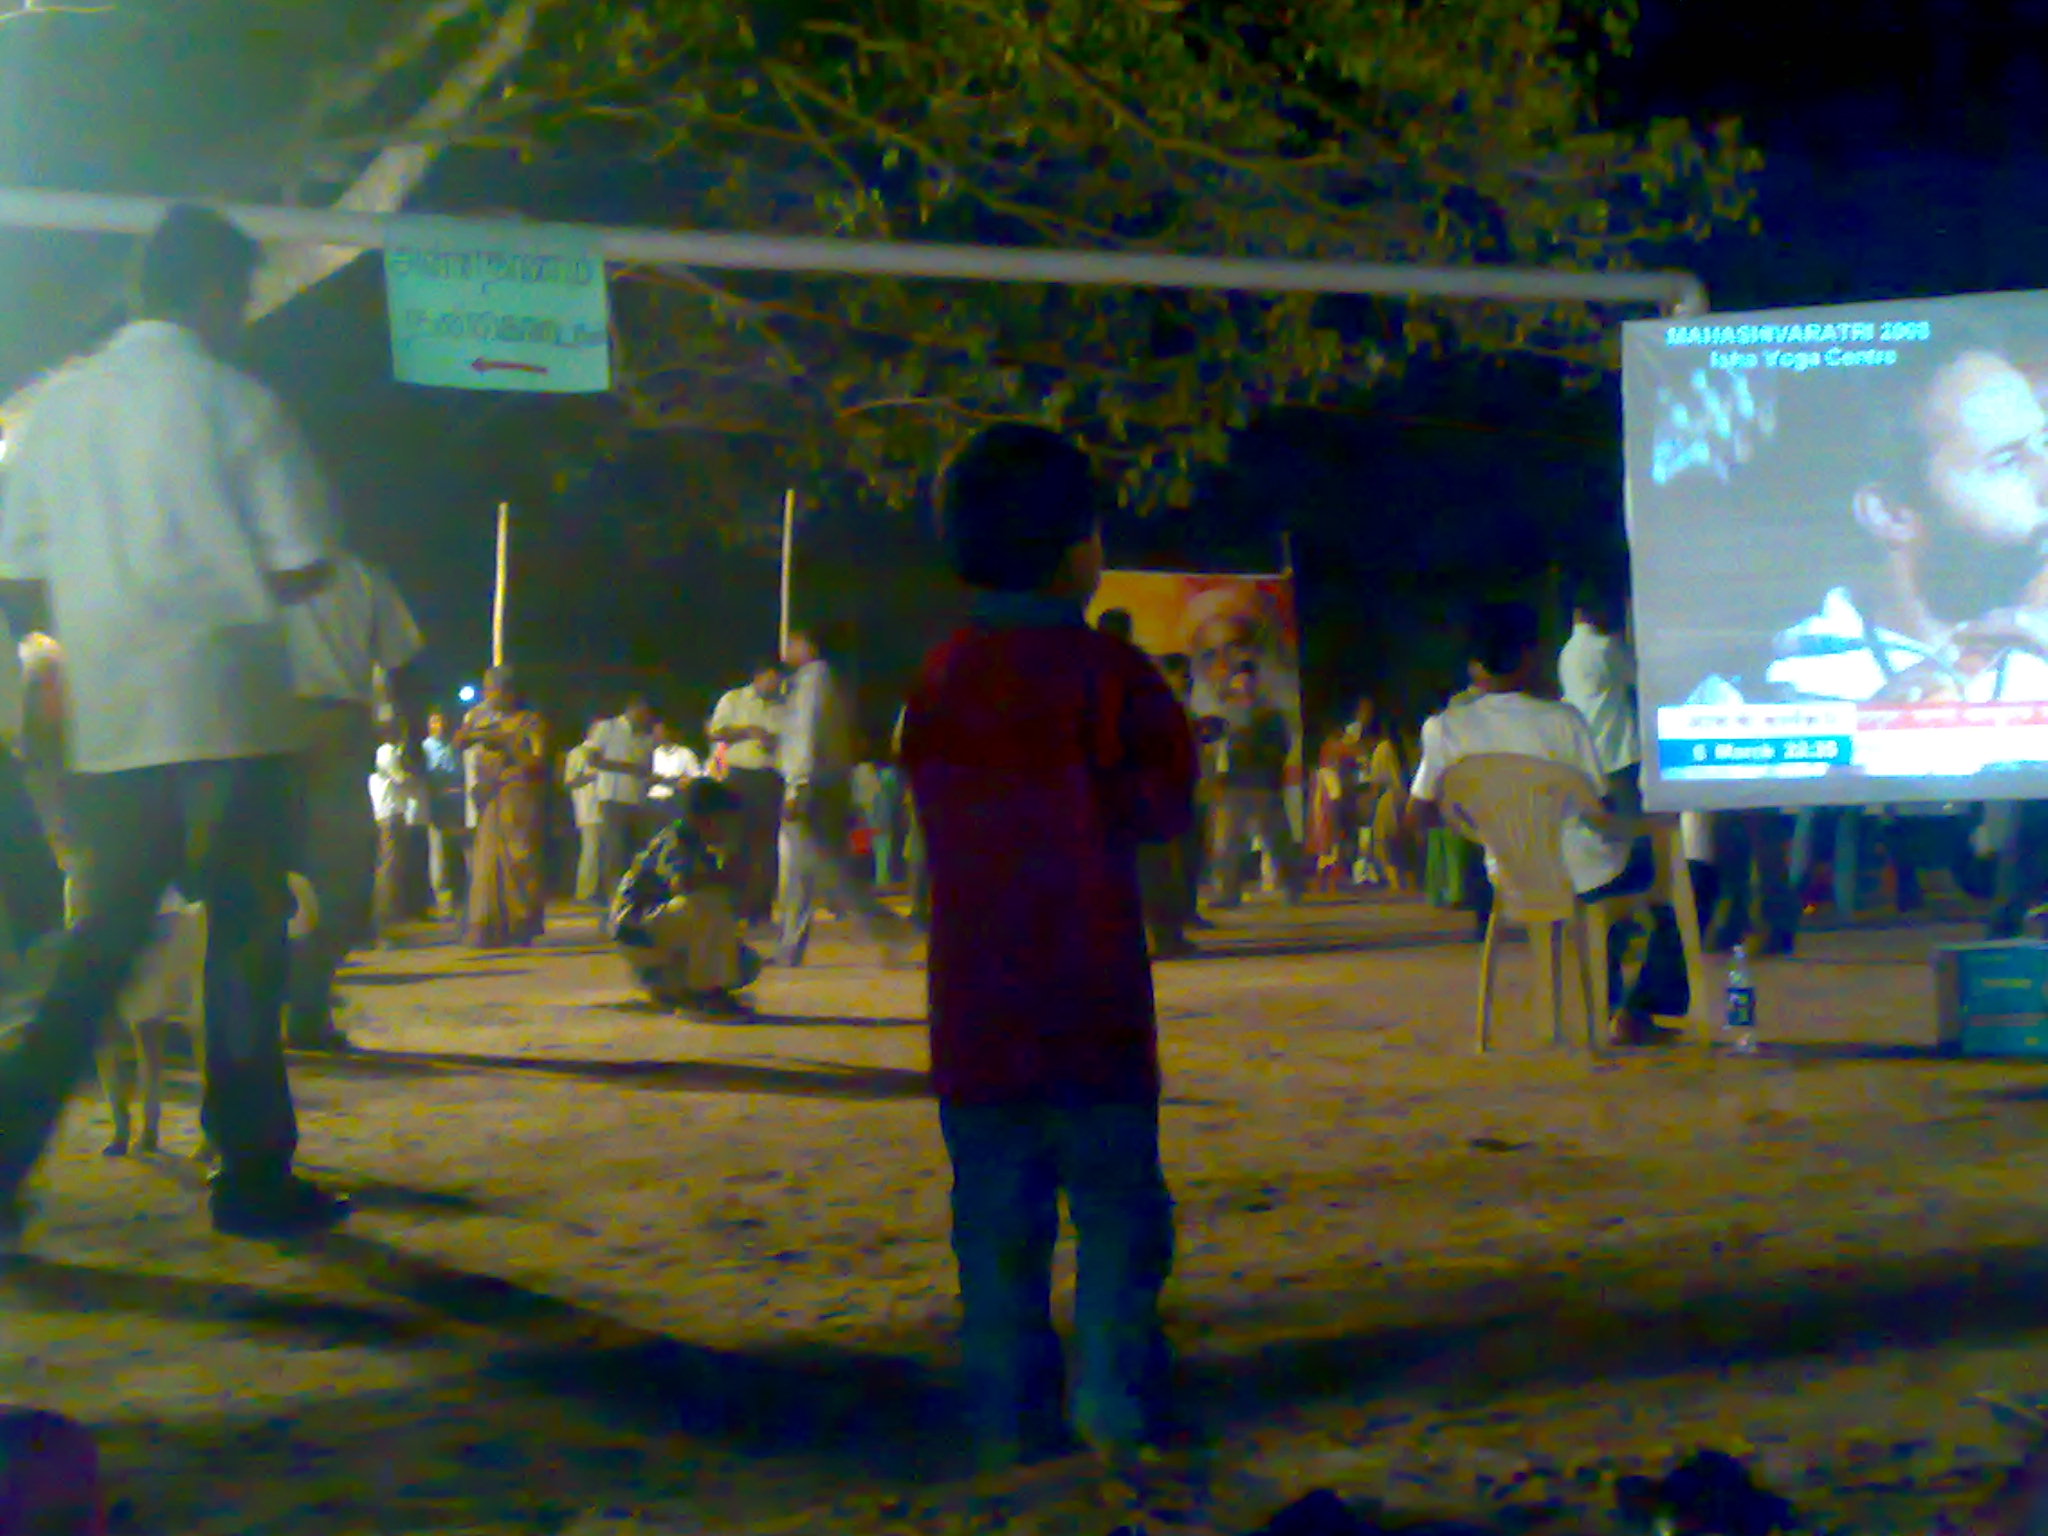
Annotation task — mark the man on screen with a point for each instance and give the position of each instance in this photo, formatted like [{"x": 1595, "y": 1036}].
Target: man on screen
[{"x": 1955, "y": 503}]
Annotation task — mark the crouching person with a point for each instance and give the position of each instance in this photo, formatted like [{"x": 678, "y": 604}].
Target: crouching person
[{"x": 676, "y": 915}]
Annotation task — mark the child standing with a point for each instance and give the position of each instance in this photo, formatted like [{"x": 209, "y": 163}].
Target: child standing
[{"x": 1041, "y": 755}]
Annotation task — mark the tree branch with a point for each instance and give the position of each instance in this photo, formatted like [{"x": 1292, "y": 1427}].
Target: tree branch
[{"x": 397, "y": 172}]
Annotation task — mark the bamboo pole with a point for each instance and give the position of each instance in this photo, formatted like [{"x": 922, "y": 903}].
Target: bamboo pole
[
  {"x": 788, "y": 563},
  {"x": 504, "y": 577}
]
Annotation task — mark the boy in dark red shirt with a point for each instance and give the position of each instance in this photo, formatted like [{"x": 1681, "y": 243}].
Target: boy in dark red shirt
[{"x": 1041, "y": 754}]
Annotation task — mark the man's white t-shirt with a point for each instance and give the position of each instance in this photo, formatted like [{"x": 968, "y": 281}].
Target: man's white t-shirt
[
  {"x": 618, "y": 742},
  {"x": 395, "y": 794},
  {"x": 353, "y": 626},
  {"x": 674, "y": 765},
  {"x": 1521, "y": 726},
  {"x": 741, "y": 709},
  {"x": 582, "y": 797},
  {"x": 155, "y": 491},
  {"x": 1598, "y": 674}
]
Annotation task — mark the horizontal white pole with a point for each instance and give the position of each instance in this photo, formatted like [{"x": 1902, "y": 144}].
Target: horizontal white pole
[{"x": 1677, "y": 293}]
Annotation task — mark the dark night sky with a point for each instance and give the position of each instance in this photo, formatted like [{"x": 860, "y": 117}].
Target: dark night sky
[{"x": 1905, "y": 143}]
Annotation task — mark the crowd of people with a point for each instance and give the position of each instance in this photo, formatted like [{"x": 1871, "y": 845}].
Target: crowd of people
[
  {"x": 210, "y": 673},
  {"x": 212, "y": 662}
]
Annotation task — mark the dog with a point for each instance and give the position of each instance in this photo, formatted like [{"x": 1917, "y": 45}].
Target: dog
[{"x": 168, "y": 988}]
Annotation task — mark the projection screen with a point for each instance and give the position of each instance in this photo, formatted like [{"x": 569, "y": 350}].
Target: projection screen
[{"x": 1838, "y": 531}]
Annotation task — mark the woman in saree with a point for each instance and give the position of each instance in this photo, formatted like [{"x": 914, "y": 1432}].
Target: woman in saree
[
  {"x": 1333, "y": 816},
  {"x": 508, "y": 887},
  {"x": 1389, "y": 766}
]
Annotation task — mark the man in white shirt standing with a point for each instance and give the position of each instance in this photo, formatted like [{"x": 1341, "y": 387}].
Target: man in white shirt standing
[
  {"x": 398, "y": 802},
  {"x": 748, "y": 724},
  {"x": 579, "y": 778},
  {"x": 354, "y": 628},
  {"x": 816, "y": 759},
  {"x": 165, "y": 511},
  {"x": 625, "y": 772},
  {"x": 1597, "y": 671},
  {"x": 1506, "y": 716},
  {"x": 673, "y": 765}
]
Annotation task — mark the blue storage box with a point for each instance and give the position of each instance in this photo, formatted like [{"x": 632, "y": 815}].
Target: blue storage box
[
  {"x": 2024, "y": 1036},
  {"x": 2001, "y": 986}
]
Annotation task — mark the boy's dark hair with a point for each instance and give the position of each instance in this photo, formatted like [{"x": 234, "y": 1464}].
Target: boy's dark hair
[
  {"x": 194, "y": 255},
  {"x": 1503, "y": 635},
  {"x": 1010, "y": 504},
  {"x": 1117, "y": 622},
  {"x": 708, "y": 797}
]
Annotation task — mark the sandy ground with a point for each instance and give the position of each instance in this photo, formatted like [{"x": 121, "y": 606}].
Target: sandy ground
[{"x": 607, "y": 1265}]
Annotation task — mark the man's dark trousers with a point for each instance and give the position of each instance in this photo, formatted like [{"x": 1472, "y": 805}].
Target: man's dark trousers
[
  {"x": 760, "y": 796},
  {"x": 217, "y": 831}
]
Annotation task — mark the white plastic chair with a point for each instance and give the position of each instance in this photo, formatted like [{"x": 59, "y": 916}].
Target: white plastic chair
[{"x": 1517, "y": 807}]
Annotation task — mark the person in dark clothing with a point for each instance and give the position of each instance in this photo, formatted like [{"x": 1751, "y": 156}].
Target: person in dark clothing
[
  {"x": 1252, "y": 791},
  {"x": 1194, "y": 845},
  {"x": 1161, "y": 871},
  {"x": 1042, "y": 756}
]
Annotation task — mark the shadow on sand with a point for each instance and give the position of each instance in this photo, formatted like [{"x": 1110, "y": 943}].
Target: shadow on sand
[{"x": 820, "y": 1081}]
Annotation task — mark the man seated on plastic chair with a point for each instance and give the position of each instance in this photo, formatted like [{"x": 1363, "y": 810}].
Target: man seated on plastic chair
[{"x": 1510, "y": 715}]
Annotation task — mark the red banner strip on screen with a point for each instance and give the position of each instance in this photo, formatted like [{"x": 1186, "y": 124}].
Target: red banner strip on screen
[{"x": 1949, "y": 717}]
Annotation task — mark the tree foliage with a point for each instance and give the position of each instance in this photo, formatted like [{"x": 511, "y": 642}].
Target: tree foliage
[{"x": 1428, "y": 131}]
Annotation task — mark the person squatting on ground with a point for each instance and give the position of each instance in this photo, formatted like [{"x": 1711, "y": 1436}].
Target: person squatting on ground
[
  {"x": 676, "y": 915},
  {"x": 182, "y": 718},
  {"x": 1042, "y": 756}
]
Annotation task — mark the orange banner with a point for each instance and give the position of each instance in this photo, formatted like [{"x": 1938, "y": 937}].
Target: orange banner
[{"x": 1220, "y": 623}]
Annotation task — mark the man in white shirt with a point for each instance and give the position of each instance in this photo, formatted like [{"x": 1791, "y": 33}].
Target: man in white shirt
[
  {"x": 579, "y": 778},
  {"x": 747, "y": 724},
  {"x": 398, "y": 803},
  {"x": 674, "y": 765},
  {"x": 447, "y": 787},
  {"x": 1506, "y": 716},
  {"x": 625, "y": 772},
  {"x": 1597, "y": 671},
  {"x": 341, "y": 640},
  {"x": 165, "y": 511},
  {"x": 816, "y": 760}
]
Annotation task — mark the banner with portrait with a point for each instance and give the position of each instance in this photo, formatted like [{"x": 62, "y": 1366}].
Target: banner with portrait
[{"x": 1222, "y": 624}]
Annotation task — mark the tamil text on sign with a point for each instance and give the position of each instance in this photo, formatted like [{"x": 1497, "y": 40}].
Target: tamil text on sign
[{"x": 476, "y": 312}]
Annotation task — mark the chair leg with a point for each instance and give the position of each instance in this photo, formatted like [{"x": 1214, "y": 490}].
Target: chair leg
[
  {"x": 1599, "y": 929},
  {"x": 1592, "y": 985},
  {"x": 1675, "y": 883},
  {"x": 1549, "y": 989},
  {"x": 1488, "y": 967}
]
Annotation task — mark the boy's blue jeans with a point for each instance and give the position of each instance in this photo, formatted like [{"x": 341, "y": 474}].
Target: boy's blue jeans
[{"x": 1011, "y": 1163}]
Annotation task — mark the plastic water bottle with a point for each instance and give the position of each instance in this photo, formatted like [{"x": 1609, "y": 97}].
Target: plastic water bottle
[{"x": 1738, "y": 1031}]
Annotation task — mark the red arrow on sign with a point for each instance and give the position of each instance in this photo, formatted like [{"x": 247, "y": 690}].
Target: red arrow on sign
[{"x": 486, "y": 365}]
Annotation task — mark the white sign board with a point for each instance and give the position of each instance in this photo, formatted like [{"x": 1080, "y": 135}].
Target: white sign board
[{"x": 527, "y": 314}]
